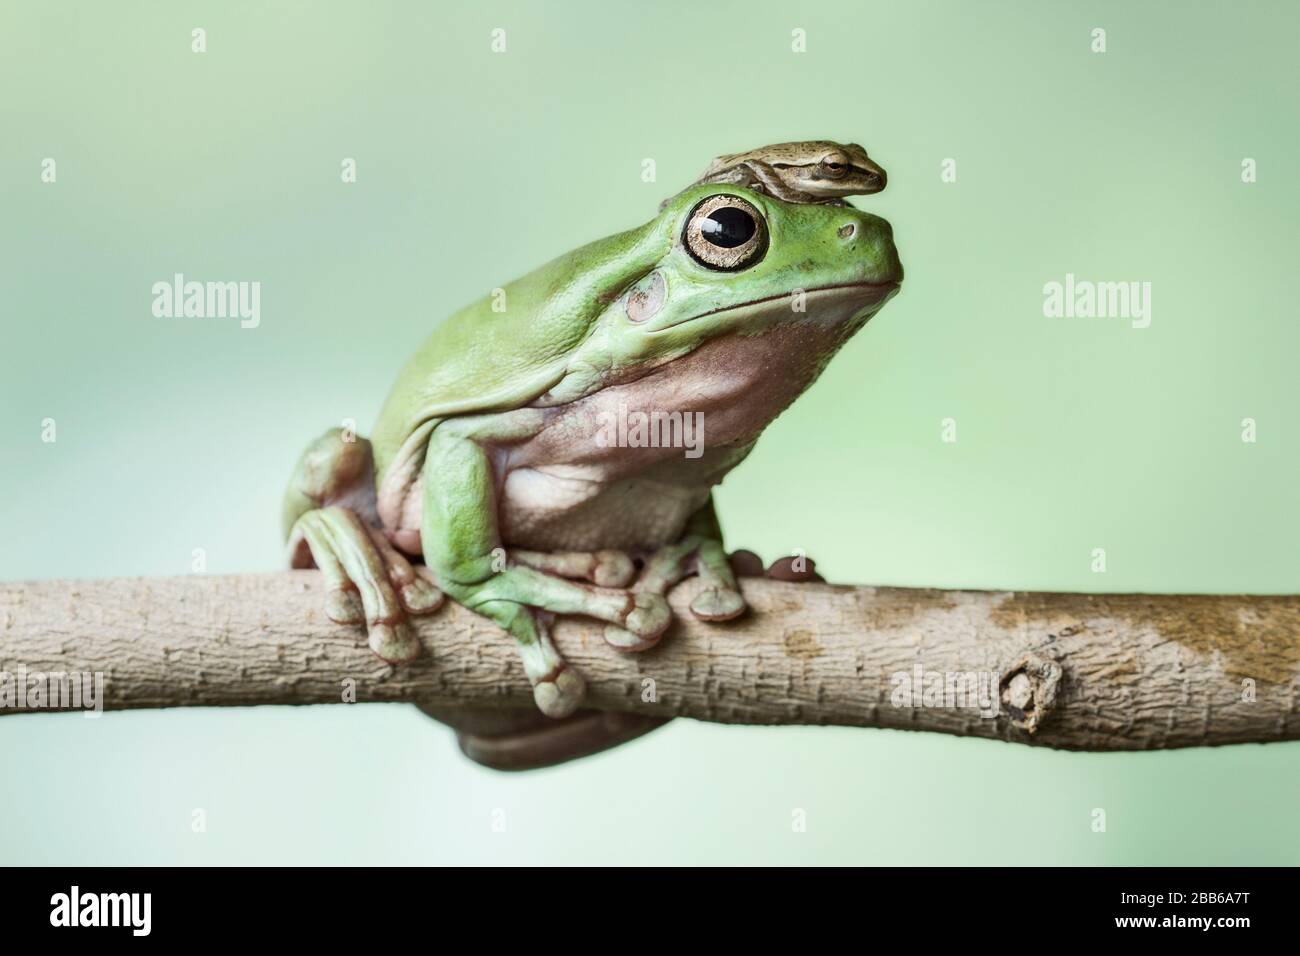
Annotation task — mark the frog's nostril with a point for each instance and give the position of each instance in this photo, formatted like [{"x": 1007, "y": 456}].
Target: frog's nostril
[{"x": 847, "y": 230}]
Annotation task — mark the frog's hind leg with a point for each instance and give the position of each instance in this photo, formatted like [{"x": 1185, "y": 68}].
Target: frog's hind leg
[
  {"x": 329, "y": 499},
  {"x": 460, "y": 538},
  {"x": 763, "y": 178}
]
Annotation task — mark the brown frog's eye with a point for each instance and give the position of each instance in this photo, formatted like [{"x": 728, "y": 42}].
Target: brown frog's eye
[
  {"x": 834, "y": 166},
  {"x": 725, "y": 233}
]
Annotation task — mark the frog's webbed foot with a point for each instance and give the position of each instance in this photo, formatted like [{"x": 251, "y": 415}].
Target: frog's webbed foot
[
  {"x": 700, "y": 554},
  {"x": 368, "y": 579}
]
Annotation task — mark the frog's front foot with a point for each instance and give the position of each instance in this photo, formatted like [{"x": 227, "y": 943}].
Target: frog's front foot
[
  {"x": 369, "y": 581},
  {"x": 701, "y": 554},
  {"x": 329, "y": 521}
]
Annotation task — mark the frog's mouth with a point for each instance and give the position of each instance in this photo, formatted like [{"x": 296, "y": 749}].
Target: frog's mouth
[{"x": 862, "y": 296}]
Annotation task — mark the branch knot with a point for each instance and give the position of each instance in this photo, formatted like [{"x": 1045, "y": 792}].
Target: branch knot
[{"x": 1028, "y": 691}]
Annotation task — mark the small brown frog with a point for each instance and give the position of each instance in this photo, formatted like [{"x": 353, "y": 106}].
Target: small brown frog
[{"x": 814, "y": 171}]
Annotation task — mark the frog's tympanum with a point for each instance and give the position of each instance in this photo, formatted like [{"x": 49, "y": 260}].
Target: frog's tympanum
[
  {"x": 811, "y": 171},
  {"x": 552, "y": 448}
]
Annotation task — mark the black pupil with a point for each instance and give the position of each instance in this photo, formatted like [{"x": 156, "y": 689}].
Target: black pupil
[{"x": 728, "y": 227}]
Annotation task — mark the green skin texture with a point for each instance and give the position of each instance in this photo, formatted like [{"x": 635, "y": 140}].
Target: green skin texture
[{"x": 480, "y": 400}]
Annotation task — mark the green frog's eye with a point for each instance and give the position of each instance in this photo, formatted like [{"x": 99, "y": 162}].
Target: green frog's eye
[{"x": 725, "y": 233}]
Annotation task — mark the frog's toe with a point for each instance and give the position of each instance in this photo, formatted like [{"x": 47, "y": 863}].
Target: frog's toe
[
  {"x": 561, "y": 693},
  {"x": 650, "y": 614},
  {"x": 343, "y": 606},
  {"x": 420, "y": 596},
  {"x": 718, "y": 604},
  {"x": 613, "y": 569},
  {"x": 394, "y": 642},
  {"x": 796, "y": 568},
  {"x": 746, "y": 564},
  {"x": 414, "y": 586},
  {"x": 644, "y": 624},
  {"x": 625, "y": 640}
]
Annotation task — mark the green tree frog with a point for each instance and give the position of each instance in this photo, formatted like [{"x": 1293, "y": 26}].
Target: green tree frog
[{"x": 503, "y": 471}]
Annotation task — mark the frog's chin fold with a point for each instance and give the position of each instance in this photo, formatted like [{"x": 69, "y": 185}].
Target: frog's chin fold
[{"x": 832, "y": 303}]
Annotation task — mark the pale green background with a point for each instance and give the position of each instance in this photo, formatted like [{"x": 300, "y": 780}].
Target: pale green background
[{"x": 475, "y": 167}]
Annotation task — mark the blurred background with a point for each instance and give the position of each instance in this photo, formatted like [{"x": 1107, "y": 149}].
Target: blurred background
[{"x": 473, "y": 167}]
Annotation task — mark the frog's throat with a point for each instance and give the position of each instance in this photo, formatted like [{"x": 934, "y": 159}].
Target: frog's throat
[{"x": 873, "y": 294}]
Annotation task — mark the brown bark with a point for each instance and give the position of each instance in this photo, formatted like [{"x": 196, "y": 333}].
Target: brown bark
[{"x": 1094, "y": 672}]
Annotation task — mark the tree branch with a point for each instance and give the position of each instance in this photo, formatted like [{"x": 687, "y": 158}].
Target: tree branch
[{"x": 1092, "y": 672}]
